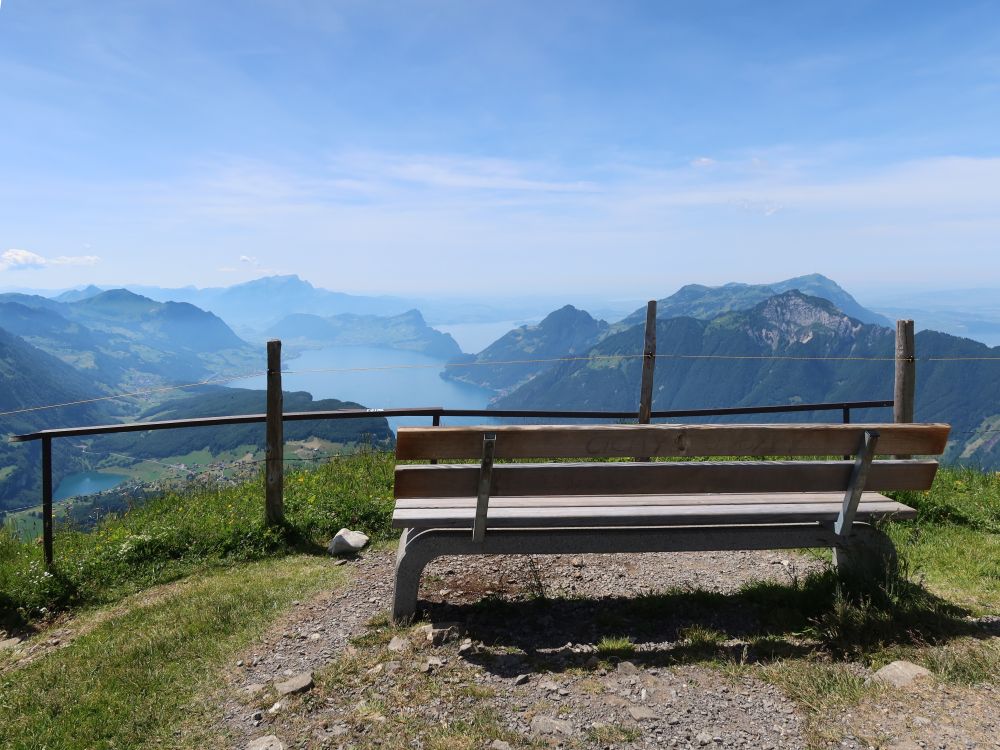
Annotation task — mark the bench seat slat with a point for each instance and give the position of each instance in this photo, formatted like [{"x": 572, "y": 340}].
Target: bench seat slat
[
  {"x": 596, "y": 501},
  {"x": 583, "y": 441},
  {"x": 461, "y": 480},
  {"x": 644, "y": 515}
]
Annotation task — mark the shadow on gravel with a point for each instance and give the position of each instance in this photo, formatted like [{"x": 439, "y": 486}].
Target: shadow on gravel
[{"x": 827, "y": 612}]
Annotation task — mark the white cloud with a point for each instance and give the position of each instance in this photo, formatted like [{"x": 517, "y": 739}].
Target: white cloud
[
  {"x": 25, "y": 260},
  {"x": 247, "y": 259}
]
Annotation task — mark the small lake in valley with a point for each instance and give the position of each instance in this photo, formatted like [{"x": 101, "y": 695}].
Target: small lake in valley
[
  {"x": 86, "y": 483},
  {"x": 376, "y": 378}
]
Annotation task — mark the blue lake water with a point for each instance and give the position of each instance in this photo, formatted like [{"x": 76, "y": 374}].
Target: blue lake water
[
  {"x": 376, "y": 378},
  {"x": 86, "y": 483}
]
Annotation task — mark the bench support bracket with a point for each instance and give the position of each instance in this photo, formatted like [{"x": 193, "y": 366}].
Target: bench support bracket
[
  {"x": 485, "y": 485},
  {"x": 859, "y": 477}
]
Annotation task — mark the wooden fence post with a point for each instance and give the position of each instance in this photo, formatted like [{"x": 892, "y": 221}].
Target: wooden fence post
[
  {"x": 47, "y": 500},
  {"x": 648, "y": 364},
  {"x": 648, "y": 367},
  {"x": 906, "y": 373},
  {"x": 274, "y": 510}
]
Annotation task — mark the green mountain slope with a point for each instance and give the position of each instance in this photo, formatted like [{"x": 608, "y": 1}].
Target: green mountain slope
[
  {"x": 229, "y": 401},
  {"x": 565, "y": 332},
  {"x": 30, "y": 378},
  {"x": 125, "y": 340},
  {"x": 757, "y": 364},
  {"x": 408, "y": 331}
]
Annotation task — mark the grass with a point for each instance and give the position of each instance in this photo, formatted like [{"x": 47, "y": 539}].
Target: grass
[
  {"x": 130, "y": 680},
  {"x": 183, "y": 532}
]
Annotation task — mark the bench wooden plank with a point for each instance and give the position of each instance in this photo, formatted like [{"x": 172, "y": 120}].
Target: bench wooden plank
[
  {"x": 593, "y": 501},
  {"x": 643, "y": 515},
  {"x": 460, "y": 480},
  {"x": 583, "y": 441}
]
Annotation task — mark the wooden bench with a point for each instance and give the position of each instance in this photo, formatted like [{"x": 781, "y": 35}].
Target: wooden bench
[{"x": 649, "y": 506}]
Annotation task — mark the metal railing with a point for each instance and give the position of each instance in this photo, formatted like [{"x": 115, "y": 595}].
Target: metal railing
[{"x": 435, "y": 413}]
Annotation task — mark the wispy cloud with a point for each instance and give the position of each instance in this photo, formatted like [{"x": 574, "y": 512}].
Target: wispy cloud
[{"x": 25, "y": 260}]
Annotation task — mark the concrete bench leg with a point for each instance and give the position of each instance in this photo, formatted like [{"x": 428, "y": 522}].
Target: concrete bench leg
[
  {"x": 867, "y": 549},
  {"x": 412, "y": 557},
  {"x": 417, "y": 547}
]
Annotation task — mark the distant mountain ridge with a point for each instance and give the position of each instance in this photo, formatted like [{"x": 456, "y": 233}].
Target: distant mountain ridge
[
  {"x": 562, "y": 333},
  {"x": 408, "y": 332},
  {"x": 706, "y": 302},
  {"x": 122, "y": 338}
]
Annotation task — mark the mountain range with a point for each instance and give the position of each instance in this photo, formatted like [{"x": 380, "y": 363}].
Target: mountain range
[
  {"x": 124, "y": 340},
  {"x": 407, "y": 331},
  {"x": 705, "y": 302},
  {"x": 790, "y": 348}
]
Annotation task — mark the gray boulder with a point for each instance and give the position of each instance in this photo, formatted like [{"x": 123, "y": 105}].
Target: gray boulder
[{"x": 901, "y": 674}]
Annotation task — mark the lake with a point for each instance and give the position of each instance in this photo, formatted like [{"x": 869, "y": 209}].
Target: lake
[
  {"x": 376, "y": 378},
  {"x": 86, "y": 483}
]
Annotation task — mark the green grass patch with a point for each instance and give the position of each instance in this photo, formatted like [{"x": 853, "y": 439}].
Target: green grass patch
[
  {"x": 130, "y": 680},
  {"x": 182, "y": 532},
  {"x": 619, "y": 647}
]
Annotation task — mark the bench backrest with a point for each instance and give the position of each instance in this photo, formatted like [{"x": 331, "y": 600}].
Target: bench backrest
[{"x": 690, "y": 441}]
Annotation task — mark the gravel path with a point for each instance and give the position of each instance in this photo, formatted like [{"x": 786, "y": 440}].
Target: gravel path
[{"x": 541, "y": 673}]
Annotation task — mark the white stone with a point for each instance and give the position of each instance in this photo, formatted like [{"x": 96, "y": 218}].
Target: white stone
[
  {"x": 901, "y": 674},
  {"x": 347, "y": 541},
  {"x": 269, "y": 742}
]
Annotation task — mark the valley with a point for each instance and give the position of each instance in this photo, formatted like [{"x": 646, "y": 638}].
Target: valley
[{"x": 790, "y": 342}]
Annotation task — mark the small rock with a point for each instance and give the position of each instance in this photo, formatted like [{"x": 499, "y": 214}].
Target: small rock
[
  {"x": 548, "y": 685},
  {"x": 270, "y": 742},
  {"x": 274, "y": 709},
  {"x": 399, "y": 644},
  {"x": 9, "y": 643},
  {"x": 314, "y": 636},
  {"x": 521, "y": 679},
  {"x": 499, "y": 745},
  {"x": 641, "y": 713},
  {"x": 347, "y": 541},
  {"x": 444, "y": 632},
  {"x": 550, "y": 725},
  {"x": 628, "y": 668},
  {"x": 576, "y": 562},
  {"x": 900, "y": 674},
  {"x": 467, "y": 647},
  {"x": 299, "y": 683},
  {"x": 254, "y": 688},
  {"x": 704, "y": 738}
]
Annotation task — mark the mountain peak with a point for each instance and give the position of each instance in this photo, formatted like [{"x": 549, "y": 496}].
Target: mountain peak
[{"x": 796, "y": 318}]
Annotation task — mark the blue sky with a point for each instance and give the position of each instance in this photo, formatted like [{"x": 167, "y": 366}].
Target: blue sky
[{"x": 500, "y": 148}]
